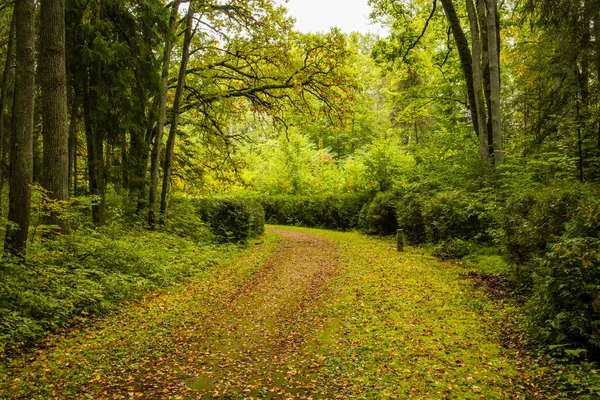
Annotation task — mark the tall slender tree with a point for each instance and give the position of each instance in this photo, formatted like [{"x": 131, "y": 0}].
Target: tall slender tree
[
  {"x": 21, "y": 162},
  {"x": 494, "y": 53},
  {"x": 162, "y": 111},
  {"x": 485, "y": 43},
  {"x": 6, "y": 77},
  {"x": 166, "y": 186},
  {"x": 53, "y": 84}
]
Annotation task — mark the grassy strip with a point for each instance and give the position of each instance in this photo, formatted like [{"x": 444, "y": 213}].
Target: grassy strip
[
  {"x": 74, "y": 362},
  {"x": 406, "y": 325}
]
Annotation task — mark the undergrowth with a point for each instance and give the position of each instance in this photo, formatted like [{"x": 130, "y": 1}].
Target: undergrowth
[{"x": 67, "y": 279}]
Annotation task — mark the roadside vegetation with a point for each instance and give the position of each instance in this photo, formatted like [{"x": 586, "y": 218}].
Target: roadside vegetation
[{"x": 143, "y": 143}]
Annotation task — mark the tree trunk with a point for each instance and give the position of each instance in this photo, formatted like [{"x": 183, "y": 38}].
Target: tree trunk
[
  {"x": 485, "y": 67},
  {"x": 95, "y": 155},
  {"x": 54, "y": 110},
  {"x": 21, "y": 162},
  {"x": 143, "y": 172},
  {"x": 495, "y": 110},
  {"x": 73, "y": 143},
  {"x": 465, "y": 58},
  {"x": 166, "y": 186},
  {"x": 597, "y": 51},
  {"x": 160, "y": 126},
  {"x": 480, "y": 109},
  {"x": 3, "y": 100},
  {"x": 94, "y": 137},
  {"x": 125, "y": 165}
]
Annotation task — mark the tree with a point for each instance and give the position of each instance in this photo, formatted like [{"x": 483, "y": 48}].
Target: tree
[
  {"x": 6, "y": 78},
  {"x": 54, "y": 107},
  {"x": 162, "y": 110},
  {"x": 481, "y": 76},
  {"x": 21, "y": 161},
  {"x": 489, "y": 40},
  {"x": 166, "y": 186}
]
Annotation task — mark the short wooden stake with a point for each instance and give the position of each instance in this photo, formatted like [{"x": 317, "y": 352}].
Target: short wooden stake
[{"x": 400, "y": 239}]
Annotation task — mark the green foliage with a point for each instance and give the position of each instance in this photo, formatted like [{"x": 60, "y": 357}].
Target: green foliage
[
  {"x": 453, "y": 249},
  {"x": 454, "y": 215},
  {"x": 565, "y": 305},
  {"x": 185, "y": 221},
  {"x": 409, "y": 214},
  {"x": 333, "y": 212},
  {"x": 379, "y": 216},
  {"x": 91, "y": 272},
  {"x": 534, "y": 218},
  {"x": 233, "y": 220}
]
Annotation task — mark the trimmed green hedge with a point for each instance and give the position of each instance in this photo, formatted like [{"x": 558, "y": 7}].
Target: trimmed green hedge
[
  {"x": 234, "y": 220},
  {"x": 379, "y": 216},
  {"x": 330, "y": 212}
]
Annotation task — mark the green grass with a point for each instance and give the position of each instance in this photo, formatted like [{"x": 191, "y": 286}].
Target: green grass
[
  {"x": 66, "y": 280},
  {"x": 386, "y": 325},
  {"x": 77, "y": 363},
  {"x": 405, "y": 325}
]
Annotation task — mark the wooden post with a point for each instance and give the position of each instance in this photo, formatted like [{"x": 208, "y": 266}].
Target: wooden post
[{"x": 400, "y": 239}]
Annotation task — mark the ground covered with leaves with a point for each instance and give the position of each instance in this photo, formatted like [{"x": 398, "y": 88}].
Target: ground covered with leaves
[{"x": 303, "y": 314}]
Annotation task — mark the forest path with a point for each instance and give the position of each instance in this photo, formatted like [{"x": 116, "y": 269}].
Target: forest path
[{"x": 305, "y": 314}]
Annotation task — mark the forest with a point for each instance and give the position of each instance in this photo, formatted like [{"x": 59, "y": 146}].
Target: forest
[{"x": 144, "y": 145}]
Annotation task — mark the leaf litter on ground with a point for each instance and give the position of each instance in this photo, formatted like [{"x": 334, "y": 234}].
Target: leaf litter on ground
[{"x": 305, "y": 314}]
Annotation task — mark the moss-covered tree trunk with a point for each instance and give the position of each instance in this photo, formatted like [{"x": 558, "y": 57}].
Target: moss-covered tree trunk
[
  {"x": 465, "y": 58},
  {"x": 6, "y": 74},
  {"x": 480, "y": 108}
]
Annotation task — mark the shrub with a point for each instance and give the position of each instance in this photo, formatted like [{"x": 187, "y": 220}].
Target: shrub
[
  {"x": 348, "y": 208},
  {"x": 379, "y": 216},
  {"x": 65, "y": 279},
  {"x": 409, "y": 214},
  {"x": 331, "y": 212},
  {"x": 232, "y": 219},
  {"x": 452, "y": 249},
  {"x": 565, "y": 305},
  {"x": 454, "y": 215},
  {"x": 184, "y": 220},
  {"x": 533, "y": 219},
  {"x": 279, "y": 210}
]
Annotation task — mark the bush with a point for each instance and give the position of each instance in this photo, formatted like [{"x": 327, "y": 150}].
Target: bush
[
  {"x": 232, "y": 220},
  {"x": 184, "y": 220},
  {"x": 279, "y": 210},
  {"x": 379, "y": 216},
  {"x": 330, "y": 212},
  {"x": 533, "y": 219},
  {"x": 565, "y": 305},
  {"x": 454, "y": 215},
  {"x": 409, "y": 214},
  {"x": 453, "y": 249}
]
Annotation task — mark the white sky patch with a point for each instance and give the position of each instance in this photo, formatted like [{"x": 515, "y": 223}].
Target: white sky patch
[{"x": 321, "y": 15}]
